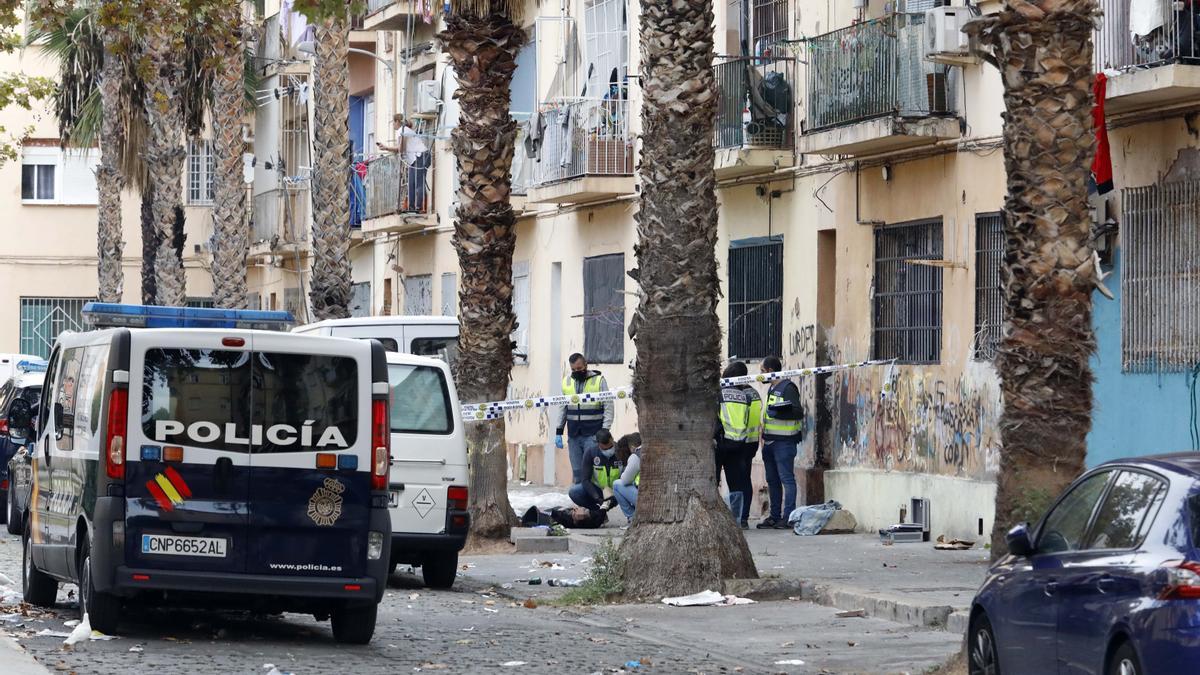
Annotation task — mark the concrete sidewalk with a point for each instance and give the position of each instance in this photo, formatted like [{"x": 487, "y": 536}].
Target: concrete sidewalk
[
  {"x": 16, "y": 660},
  {"x": 907, "y": 583}
]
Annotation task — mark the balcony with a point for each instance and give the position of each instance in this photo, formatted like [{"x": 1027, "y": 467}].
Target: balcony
[
  {"x": 586, "y": 153},
  {"x": 522, "y": 171},
  {"x": 395, "y": 193},
  {"x": 1157, "y": 56},
  {"x": 390, "y": 14},
  {"x": 755, "y": 129},
  {"x": 280, "y": 223},
  {"x": 870, "y": 90}
]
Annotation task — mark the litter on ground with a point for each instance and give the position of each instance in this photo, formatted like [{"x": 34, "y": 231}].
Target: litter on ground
[{"x": 706, "y": 599}]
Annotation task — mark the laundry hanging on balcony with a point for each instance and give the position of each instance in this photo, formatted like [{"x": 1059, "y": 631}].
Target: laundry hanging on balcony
[{"x": 1102, "y": 176}]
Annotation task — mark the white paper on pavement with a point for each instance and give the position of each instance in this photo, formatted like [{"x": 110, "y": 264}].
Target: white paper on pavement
[{"x": 706, "y": 599}]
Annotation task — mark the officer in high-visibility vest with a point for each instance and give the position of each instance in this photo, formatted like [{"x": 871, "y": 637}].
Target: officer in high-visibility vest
[
  {"x": 739, "y": 424},
  {"x": 783, "y": 429},
  {"x": 605, "y": 470},
  {"x": 625, "y": 489},
  {"x": 583, "y": 420}
]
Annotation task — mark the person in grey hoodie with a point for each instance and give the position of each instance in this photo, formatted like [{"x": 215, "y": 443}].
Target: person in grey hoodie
[{"x": 625, "y": 488}]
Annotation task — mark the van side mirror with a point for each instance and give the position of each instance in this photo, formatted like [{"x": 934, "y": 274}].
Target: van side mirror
[
  {"x": 1018, "y": 541},
  {"x": 20, "y": 419}
]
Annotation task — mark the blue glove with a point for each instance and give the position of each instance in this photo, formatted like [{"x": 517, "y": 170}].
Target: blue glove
[{"x": 558, "y": 442}]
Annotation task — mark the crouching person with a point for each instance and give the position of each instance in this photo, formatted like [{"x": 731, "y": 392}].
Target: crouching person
[
  {"x": 625, "y": 488},
  {"x": 595, "y": 488}
]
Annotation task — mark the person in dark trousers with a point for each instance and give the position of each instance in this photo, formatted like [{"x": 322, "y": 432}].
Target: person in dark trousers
[
  {"x": 582, "y": 421},
  {"x": 605, "y": 470},
  {"x": 737, "y": 431},
  {"x": 574, "y": 516},
  {"x": 625, "y": 488},
  {"x": 782, "y": 431}
]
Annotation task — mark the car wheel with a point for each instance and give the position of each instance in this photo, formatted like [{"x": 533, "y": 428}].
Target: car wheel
[
  {"x": 439, "y": 569},
  {"x": 14, "y": 518},
  {"x": 1125, "y": 661},
  {"x": 103, "y": 609},
  {"x": 40, "y": 589},
  {"x": 6, "y": 513},
  {"x": 982, "y": 654},
  {"x": 354, "y": 624}
]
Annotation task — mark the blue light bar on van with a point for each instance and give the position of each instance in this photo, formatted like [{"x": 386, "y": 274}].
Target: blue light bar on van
[
  {"x": 113, "y": 315},
  {"x": 32, "y": 366}
]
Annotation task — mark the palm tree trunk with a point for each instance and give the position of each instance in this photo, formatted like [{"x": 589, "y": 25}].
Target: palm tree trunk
[
  {"x": 109, "y": 179},
  {"x": 484, "y": 53},
  {"x": 329, "y": 288},
  {"x": 165, "y": 153},
  {"x": 150, "y": 238},
  {"x": 1044, "y": 51},
  {"x": 683, "y": 538},
  {"x": 231, "y": 240}
]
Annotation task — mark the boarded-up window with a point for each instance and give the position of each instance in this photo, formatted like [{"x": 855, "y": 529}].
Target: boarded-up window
[
  {"x": 1160, "y": 277},
  {"x": 989, "y": 294},
  {"x": 292, "y": 303},
  {"x": 604, "y": 308},
  {"x": 449, "y": 294},
  {"x": 360, "y": 299},
  {"x": 520, "y": 300},
  {"x": 908, "y": 295},
  {"x": 755, "y": 298},
  {"x": 418, "y": 295}
]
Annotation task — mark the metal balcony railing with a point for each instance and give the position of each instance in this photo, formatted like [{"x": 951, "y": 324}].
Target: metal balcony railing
[
  {"x": 756, "y": 102},
  {"x": 396, "y": 183},
  {"x": 874, "y": 69},
  {"x": 281, "y": 216},
  {"x": 584, "y": 137},
  {"x": 377, "y": 5},
  {"x": 1166, "y": 31}
]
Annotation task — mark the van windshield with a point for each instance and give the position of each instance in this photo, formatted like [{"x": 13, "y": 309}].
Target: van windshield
[
  {"x": 420, "y": 400},
  {"x": 444, "y": 348}
]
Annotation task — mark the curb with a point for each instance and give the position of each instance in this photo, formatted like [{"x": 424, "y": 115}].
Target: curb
[{"x": 16, "y": 660}]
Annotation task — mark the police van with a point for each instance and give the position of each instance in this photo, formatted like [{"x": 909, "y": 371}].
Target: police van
[{"x": 189, "y": 457}]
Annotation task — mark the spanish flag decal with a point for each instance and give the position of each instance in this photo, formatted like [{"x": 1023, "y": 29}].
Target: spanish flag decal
[{"x": 169, "y": 489}]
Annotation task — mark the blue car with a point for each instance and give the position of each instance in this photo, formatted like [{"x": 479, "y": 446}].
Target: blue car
[
  {"x": 1108, "y": 581},
  {"x": 25, "y": 384}
]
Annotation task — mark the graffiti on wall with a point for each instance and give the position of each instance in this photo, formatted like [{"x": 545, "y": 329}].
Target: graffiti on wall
[{"x": 929, "y": 425}]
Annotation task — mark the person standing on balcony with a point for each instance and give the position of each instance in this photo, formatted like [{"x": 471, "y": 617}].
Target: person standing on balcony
[
  {"x": 414, "y": 152},
  {"x": 582, "y": 421},
  {"x": 782, "y": 431}
]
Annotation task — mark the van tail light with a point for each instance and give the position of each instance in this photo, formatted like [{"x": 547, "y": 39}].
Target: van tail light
[
  {"x": 456, "y": 498},
  {"x": 381, "y": 441},
  {"x": 3, "y": 426},
  {"x": 1182, "y": 582},
  {"x": 114, "y": 439}
]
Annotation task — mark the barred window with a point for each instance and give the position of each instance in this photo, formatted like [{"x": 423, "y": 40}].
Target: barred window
[
  {"x": 768, "y": 27},
  {"x": 201, "y": 169},
  {"x": 604, "y": 308},
  {"x": 755, "y": 298},
  {"x": 989, "y": 293},
  {"x": 42, "y": 319},
  {"x": 1160, "y": 277},
  {"x": 907, "y": 304}
]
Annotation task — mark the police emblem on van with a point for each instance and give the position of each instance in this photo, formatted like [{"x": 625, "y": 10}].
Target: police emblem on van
[
  {"x": 276, "y": 434},
  {"x": 325, "y": 506}
]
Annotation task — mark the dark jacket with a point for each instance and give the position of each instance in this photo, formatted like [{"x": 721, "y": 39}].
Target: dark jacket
[{"x": 790, "y": 409}]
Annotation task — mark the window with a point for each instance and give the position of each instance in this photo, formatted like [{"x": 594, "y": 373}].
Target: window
[
  {"x": 360, "y": 299},
  {"x": 37, "y": 182},
  {"x": 42, "y": 319},
  {"x": 445, "y": 349},
  {"x": 1064, "y": 528},
  {"x": 201, "y": 167},
  {"x": 1127, "y": 512},
  {"x": 295, "y": 389},
  {"x": 201, "y": 391},
  {"x": 418, "y": 295},
  {"x": 202, "y": 303},
  {"x": 1160, "y": 277},
  {"x": 254, "y": 300},
  {"x": 989, "y": 293},
  {"x": 768, "y": 27},
  {"x": 607, "y": 46},
  {"x": 755, "y": 298},
  {"x": 604, "y": 308},
  {"x": 908, "y": 295},
  {"x": 91, "y": 394},
  {"x": 420, "y": 400},
  {"x": 520, "y": 301},
  {"x": 65, "y": 396},
  {"x": 449, "y": 294},
  {"x": 292, "y": 302}
]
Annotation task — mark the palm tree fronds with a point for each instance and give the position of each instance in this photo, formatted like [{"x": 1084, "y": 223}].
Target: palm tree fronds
[{"x": 482, "y": 9}]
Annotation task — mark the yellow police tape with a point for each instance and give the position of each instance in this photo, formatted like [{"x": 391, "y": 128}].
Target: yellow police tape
[{"x": 478, "y": 412}]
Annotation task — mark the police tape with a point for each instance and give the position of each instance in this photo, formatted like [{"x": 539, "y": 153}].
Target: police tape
[{"x": 479, "y": 412}]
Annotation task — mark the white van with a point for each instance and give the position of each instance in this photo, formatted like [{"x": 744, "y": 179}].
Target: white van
[
  {"x": 420, "y": 335},
  {"x": 428, "y": 479}
]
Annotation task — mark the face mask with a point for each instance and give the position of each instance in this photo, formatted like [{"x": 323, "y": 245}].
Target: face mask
[
  {"x": 579, "y": 374},
  {"x": 609, "y": 452}
]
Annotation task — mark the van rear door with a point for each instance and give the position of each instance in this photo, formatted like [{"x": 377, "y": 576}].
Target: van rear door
[
  {"x": 428, "y": 449},
  {"x": 310, "y": 481},
  {"x": 187, "y": 462}
]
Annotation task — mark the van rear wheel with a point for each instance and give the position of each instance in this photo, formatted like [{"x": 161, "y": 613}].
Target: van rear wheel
[
  {"x": 439, "y": 569},
  {"x": 39, "y": 588},
  {"x": 14, "y": 518},
  {"x": 103, "y": 609},
  {"x": 354, "y": 624}
]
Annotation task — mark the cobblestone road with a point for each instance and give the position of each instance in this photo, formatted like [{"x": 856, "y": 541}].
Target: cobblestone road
[{"x": 472, "y": 630}]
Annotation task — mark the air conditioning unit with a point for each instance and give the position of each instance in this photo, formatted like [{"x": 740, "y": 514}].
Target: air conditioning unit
[
  {"x": 945, "y": 42},
  {"x": 427, "y": 97}
]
